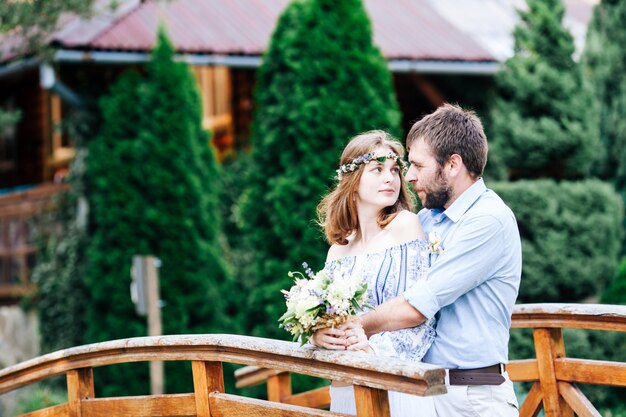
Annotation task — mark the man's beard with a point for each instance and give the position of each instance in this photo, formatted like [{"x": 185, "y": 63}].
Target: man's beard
[{"x": 440, "y": 196}]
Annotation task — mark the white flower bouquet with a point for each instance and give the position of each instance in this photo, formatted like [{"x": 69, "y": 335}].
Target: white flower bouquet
[{"x": 321, "y": 300}]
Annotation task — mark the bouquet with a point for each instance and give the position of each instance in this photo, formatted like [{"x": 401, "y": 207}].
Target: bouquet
[{"x": 321, "y": 300}]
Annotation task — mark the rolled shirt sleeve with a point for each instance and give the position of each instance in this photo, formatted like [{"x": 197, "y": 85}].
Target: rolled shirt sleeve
[{"x": 471, "y": 254}]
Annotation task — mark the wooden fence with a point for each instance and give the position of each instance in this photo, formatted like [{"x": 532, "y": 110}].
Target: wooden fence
[
  {"x": 554, "y": 375},
  {"x": 372, "y": 377}
]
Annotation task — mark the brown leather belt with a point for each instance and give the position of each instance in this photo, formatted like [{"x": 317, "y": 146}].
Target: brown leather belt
[{"x": 489, "y": 375}]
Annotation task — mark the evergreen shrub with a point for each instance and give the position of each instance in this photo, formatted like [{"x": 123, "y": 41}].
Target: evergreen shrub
[
  {"x": 604, "y": 64},
  {"x": 571, "y": 237},
  {"x": 322, "y": 81},
  {"x": 542, "y": 121},
  {"x": 153, "y": 186}
]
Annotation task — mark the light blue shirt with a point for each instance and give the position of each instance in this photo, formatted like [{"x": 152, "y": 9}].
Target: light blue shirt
[{"x": 472, "y": 285}]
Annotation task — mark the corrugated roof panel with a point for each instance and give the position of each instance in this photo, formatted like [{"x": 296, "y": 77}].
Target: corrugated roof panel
[
  {"x": 418, "y": 30},
  {"x": 491, "y": 22},
  {"x": 412, "y": 29},
  {"x": 207, "y": 26},
  {"x": 403, "y": 29}
]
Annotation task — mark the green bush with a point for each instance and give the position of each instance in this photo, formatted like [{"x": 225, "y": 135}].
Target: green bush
[
  {"x": 542, "y": 121},
  {"x": 322, "y": 81},
  {"x": 616, "y": 292},
  {"x": 153, "y": 189},
  {"x": 571, "y": 236},
  {"x": 38, "y": 397},
  {"x": 62, "y": 236},
  {"x": 604, "y": 60}
]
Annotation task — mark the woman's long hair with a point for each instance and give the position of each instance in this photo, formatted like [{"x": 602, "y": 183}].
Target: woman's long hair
[{"x": 337, "y": 212}]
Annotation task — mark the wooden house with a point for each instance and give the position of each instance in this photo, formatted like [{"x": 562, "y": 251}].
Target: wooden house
[{"x": 438, "y": 50}]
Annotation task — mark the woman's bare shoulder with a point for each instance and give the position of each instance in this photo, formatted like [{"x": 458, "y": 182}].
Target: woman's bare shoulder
[
  {"x": 406, "y": 227},
  {"x": 337, "y": 251}
]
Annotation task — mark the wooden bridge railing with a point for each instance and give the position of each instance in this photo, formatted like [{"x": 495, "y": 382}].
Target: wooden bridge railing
[
  {"x": 554, "y": 375},
  {"x": 372, "y": 377}
]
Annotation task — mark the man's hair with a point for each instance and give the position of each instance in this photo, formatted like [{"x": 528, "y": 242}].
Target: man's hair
[
  {"x": 337, "y": 213},
  {"x": 451, "y": 130}
]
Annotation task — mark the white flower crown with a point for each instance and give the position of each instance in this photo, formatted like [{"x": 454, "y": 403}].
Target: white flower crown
[{"x": 367, "y": 157}]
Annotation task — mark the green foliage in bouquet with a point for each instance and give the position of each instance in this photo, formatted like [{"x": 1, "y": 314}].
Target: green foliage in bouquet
[
  {"x": 153, "y": 187},
  {"x": 322, "y": 81},
  {"x": 542, "y": 121},
  {"x": 604, "y": 63},
  {"x": 571, "y": 237},
  {"x": 321, "y": 300}
]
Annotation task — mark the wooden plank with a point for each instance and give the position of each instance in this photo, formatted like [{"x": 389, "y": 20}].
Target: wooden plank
[
  {"x": 170, "y": 405},
  {"x": 249, "y": 376},
  {"x": 582, "y": 316},
  {"x": 227, "y": 405},
  {"x": 577, "y": 400},
  {"x": 279, "y": 387},
  {"x": 371, "y": 402},
  {"x": 361, "y": 369},
  {"x": 589, "y": 371},
  {"x": 79, "y": 388},
  {"x": 60, "y": 410},
  {"x": 549, "y": 346},
  {"x": 317, "y": 398},
  {"x": 207, "y": 377},
  {"x": 532, "y": 404},
  {"x": 523, "y": 370}
]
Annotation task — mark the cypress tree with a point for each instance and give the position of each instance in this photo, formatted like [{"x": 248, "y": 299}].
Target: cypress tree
[
  {"x": 604, "y": 63},
  {"x": 542, "y": 120},
  {"x": 322, "y": 81},
  {"x": 604, "y": 60},
  {"x": 544, "y": 138},
  {"x": 542, "y": 127},
  {"x": 153, "y": 190}
]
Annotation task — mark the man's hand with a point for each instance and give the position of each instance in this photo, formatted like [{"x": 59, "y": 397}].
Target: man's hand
[{"x": 355, "y": 336}]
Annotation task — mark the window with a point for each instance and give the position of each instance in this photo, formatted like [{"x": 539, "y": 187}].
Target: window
[
  {"x": 61, "y": 150},
  {"x": 215, "y": 90}
]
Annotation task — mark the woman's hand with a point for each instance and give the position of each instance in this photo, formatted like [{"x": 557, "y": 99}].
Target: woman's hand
[{"x": 329, "y": 338}]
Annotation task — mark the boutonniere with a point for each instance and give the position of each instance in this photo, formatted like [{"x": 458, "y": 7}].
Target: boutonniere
[{"x": 434, "y": 243}]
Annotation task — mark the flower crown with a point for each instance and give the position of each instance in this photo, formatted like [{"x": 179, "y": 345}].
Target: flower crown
[{"x": 368, "y": 157}]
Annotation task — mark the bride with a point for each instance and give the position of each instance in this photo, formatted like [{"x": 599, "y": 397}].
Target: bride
[{"x": 368, "y": 221}]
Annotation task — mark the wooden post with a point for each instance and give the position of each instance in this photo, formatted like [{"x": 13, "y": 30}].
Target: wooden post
[
  {"x": 207, "y": 378},
  {"x": 371, "y": 402},
  {"x": 279, "y": 387},
  {"x": 154, "y": 321},
  {"x": 79, "y": 387},
  {"x": 549, "y": 346}
]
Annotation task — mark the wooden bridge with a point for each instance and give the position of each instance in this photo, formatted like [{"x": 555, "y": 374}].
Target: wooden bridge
[{"x": 554, "y": 390}]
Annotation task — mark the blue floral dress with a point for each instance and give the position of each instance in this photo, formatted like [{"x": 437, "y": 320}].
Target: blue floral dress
[{"x": 388, "y": 273}]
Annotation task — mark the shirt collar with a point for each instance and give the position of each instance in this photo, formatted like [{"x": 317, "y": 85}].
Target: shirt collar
[{"x": 465, "y": 200}]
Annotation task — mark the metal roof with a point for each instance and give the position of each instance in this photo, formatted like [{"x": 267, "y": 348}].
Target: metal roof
[
  {"x": 491, "y": 22},
  {"x": 403, "y": 29},
  {"x": 414, "y": 35}
]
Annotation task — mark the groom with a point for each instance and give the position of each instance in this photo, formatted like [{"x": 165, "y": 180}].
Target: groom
[{"x": 473, "y": 281}]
